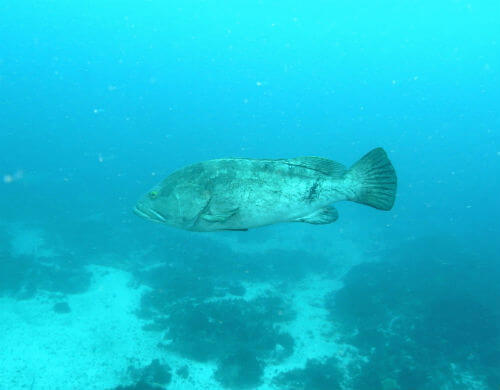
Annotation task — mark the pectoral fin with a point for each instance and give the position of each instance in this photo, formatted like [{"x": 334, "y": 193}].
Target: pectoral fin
[
  {"x": 322, "y": 216},
  {"x": 219, "y": 215}
]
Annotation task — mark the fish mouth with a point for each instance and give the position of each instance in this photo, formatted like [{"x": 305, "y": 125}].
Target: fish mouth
[
  {"x": 140, "y": 213},
  {"x": 149, "y": 214}
]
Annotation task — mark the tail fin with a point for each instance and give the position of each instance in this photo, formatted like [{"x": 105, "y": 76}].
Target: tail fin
[{"x": 374, "y": 180}]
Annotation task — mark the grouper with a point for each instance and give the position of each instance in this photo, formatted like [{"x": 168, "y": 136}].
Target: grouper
[{"x": 244, "y": 193}]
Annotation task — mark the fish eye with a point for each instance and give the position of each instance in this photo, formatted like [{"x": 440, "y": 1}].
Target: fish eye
[{"x": 153, "y": 194}]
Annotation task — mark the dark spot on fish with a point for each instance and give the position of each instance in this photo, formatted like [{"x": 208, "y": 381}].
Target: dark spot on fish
[{"x": 313, "y": 192}]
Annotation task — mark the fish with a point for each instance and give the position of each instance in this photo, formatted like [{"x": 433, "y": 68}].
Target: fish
[{"x": 243, "y": 193}]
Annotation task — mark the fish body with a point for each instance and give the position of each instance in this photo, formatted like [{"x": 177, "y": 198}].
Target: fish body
[{"x": 241, "y": 193}]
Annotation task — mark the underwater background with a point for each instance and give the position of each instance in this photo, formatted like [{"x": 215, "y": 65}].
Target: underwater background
[{"x": 101, "y": 100}]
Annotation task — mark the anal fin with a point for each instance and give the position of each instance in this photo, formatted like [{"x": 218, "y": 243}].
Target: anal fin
[{"x": 322, "y": 216}]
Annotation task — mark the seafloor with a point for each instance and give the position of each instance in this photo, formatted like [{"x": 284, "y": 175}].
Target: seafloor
[{"x": 291, "y": 307}]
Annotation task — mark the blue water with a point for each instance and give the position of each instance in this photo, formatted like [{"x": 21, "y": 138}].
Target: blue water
[{"x": 101, "y": 100}]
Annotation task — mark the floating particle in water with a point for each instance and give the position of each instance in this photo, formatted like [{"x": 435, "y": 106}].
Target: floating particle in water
[{"x": 12, "y": 177}]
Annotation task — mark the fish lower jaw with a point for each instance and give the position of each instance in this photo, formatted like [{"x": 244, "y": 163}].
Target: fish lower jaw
[
  {"x": 140, "y": 213},
  {"x": 150, "y": 215}
]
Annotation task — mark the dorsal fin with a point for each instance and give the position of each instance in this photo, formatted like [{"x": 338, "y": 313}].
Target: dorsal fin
[{"x": 320, "y": 164}]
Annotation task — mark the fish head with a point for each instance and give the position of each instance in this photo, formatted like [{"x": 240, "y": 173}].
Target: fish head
[
  {"x": 174, "y": 204},
  {"x": 152, "y": 206}
]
